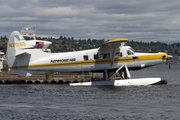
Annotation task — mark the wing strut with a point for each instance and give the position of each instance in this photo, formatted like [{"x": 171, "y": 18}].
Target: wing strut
[{"x": 112, "y": 60}]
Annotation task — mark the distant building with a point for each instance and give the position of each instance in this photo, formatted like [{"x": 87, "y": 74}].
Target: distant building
[{"x": 27, "y": 32}]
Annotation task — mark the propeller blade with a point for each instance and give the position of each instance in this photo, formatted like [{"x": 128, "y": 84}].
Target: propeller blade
[{"x": 169, "y": 57}]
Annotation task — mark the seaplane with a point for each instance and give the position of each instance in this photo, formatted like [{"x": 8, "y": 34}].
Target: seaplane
[{"x": 112, "y": 57}]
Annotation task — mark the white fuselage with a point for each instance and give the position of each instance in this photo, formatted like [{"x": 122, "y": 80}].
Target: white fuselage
[{"x": 92, "y": 60}]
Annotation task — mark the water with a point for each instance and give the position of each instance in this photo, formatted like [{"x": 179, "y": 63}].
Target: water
[{"x": 62, "y": 102}]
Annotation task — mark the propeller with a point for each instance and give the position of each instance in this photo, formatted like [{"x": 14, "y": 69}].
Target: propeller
[
  {"x": 170, "y": 57},
  {"x": 167, "y": 59}
]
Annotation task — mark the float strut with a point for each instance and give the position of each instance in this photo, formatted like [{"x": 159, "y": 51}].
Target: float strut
[
  {"x": 127, "y": 71},
  {"x": 106, "y": 74}
]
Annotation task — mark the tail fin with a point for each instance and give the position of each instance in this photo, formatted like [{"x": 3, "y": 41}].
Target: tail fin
[{"x": 17, "y": 53}]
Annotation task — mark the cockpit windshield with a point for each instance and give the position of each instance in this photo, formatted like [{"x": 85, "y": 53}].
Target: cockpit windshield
[{"x": 132, "y": 49}]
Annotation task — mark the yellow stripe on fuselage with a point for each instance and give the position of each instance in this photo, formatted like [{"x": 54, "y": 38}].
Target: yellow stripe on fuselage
[{"x": 90, "y": 62}]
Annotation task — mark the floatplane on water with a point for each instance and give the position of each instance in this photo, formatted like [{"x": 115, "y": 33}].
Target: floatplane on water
[{"x": 24, "y": 58}]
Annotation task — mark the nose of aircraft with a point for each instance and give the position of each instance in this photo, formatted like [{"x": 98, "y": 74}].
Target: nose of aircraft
[
  {"x": 170, "y": 57},
  {"x": 167, "y": 57}
]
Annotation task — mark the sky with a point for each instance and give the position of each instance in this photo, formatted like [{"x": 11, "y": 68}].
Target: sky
[{"x": 138, "y": 20}]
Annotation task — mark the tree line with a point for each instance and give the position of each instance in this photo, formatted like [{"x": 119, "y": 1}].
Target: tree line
[
  {"x": 173, "y": 49},
  {"x": 65, "y": 44}
]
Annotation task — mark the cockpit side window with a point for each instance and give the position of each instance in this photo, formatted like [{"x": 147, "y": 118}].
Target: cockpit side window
[
  {"x": 129, "y": 52},
  {"x": 118, "y": 54},
  {"x": 95, "y": 56}
]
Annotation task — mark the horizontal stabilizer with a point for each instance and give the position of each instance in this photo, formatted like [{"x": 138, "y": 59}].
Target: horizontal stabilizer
[
  {"x": 20, "y": 52},
  {"x": 23, "y": 73}
]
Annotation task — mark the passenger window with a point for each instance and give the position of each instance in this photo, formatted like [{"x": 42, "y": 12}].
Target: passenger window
[
  {"x": 85, "y": 57},
  {"x": 105, "y": 56},
  {"x": 95, "y": 56}
]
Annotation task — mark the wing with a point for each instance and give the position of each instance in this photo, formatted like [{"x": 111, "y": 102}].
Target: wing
[{"x": 112, "y": 46}]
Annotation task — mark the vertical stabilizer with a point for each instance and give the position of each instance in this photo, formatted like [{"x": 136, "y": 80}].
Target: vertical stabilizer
[{"x": 17, "y": 54}]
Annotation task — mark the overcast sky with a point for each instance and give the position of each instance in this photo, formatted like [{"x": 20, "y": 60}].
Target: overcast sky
[{"x": 138, "y": 20}]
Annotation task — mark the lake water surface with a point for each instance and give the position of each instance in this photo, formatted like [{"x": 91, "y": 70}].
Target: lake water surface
[{"x": 62, "y": 102}]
